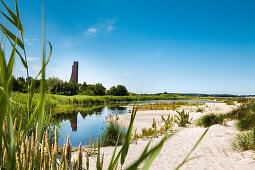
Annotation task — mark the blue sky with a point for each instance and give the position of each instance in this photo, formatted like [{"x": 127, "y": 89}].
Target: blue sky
[{"x": 198, "y": 46}]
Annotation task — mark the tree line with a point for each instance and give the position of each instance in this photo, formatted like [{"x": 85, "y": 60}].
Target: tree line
[{"x": 56, "y": 86}]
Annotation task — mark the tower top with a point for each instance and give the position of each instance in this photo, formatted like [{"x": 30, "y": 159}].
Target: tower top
[{"x": 74, "y": 75}]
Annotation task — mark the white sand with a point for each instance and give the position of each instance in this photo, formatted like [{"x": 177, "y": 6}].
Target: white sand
[{"x": 214, "y": 152}]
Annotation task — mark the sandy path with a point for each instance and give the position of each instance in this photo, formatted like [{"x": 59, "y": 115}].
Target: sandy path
[{"x": 214, "y": 152}]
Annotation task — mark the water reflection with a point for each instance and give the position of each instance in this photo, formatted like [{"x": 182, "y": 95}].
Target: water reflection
[{"x": 74, "y": 125}]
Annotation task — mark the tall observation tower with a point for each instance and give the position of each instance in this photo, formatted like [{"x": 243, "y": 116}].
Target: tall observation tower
[{"x": 74, "y": 75}]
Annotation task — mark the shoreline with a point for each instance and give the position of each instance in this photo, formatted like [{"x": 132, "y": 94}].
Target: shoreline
[{"x": 214, "y": 152}]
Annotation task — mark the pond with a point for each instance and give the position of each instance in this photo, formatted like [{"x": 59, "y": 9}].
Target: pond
[{"x": 81, "y": 125}]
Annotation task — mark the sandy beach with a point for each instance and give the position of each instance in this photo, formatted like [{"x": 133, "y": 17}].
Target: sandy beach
[{"x": 214, "y": 152}]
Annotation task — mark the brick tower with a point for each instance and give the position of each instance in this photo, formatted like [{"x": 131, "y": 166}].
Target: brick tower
[{"x": 74, "y": 75}]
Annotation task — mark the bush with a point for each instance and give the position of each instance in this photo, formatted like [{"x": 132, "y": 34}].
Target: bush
[
  {"x": 146, "y": 133},
  {"x": 210, "y": 119},
  {"x": 244, "y": 141},
  {"x": 120, "y": 90},
  {"x": 168, "y": 122},
  {"x": 111, "y": 134},
  {"x": 182, "y": 119},
  {"x": 246, "y": 123},
  {"x": 199, "y": 109},
  {"x": 242, "y": 111}
]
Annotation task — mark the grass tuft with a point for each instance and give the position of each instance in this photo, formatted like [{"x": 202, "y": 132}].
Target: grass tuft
[
  {"x": 210, "y": 119},
  {"x": 244, "y": 141}
]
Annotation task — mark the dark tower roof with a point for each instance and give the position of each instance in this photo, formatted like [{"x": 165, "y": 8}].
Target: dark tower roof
[{"x": 74, "y": 75}]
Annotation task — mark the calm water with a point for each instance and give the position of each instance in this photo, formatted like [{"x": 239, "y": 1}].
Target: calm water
[{"x": 81, "y": 126}]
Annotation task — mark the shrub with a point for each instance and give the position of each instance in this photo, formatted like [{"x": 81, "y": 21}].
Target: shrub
[
  {"x": 210, "y": 119},
  {"x": 246, "y": 123},
  {"x": 241, "y": 112},
  {"x": 135, "y": 136},
  {"x": 199, "y": 109},
  {"x": 168, "y": 123},
  {"x": 154, "y": 124},
  {"x": 230, "y": 102},
  {"x": 111, "y": 134},
  {"x": 146, "y": 133},
  {"x": 244, "y": 141},
  {"x": 182, "y": 119}
]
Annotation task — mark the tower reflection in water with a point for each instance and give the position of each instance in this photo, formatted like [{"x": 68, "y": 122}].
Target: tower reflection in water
[{"x": 74, "y": 124}]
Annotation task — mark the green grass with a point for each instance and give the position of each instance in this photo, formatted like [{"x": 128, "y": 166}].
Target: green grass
[
  {"x": 210, "y": 119},
  {"x": 84, "y": 99},
  {"x": 244, "y": 141},
  {"x": 182, "y": 119},
  {"x": 245, "y": 116},
  {"x": 199, "y": 109},
  {"x": 111, "y": 133},
  {"x": 166, "y": 106}
]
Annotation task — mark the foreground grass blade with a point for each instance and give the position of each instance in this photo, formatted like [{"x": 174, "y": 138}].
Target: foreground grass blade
[
  {"x": 98, "y": 153},
  {"x": 194, "y": 147},
  {"x": 42, "y": 89},
  {"x": 113, "y": 155},
  {"x": 12, "y": 36},
  {"x": 151, "y": 154},
  {"x": 126, "y": 144},
  {"x": 9, "y": 19},
  {"x": 3, "y": 101},
  {"x": 47, "y": 61},
  {"x": 21, "y": 58},
  {"x": 136, "y": 164},
  {"x": 14, "y": 17}
]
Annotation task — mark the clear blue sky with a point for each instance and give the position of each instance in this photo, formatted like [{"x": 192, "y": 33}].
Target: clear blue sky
[{"x": 188, "y": 46}]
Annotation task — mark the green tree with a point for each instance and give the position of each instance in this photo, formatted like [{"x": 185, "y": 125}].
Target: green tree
[
  {"x": 119, "y": 90},
  {"x": 99, "y": 89},
  {"x": 54, "y": 85},
  {"x": 19, "y": 85},
  {"x": 112, "y": 91},
  {"x": 72, "y": 88}
]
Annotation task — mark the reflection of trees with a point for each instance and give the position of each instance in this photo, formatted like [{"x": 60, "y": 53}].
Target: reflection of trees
[
  {"x": 83, "y": 110},
  {"x": 71, "y": 113},
  {"x": 65, "y": 116}
]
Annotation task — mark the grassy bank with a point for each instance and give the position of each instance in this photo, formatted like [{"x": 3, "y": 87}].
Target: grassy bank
[
  {"x": 63, "y": 103},
  {"x": 166, "y": 106}
]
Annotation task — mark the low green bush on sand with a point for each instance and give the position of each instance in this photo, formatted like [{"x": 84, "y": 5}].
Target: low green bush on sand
[
  {"x": 244, "y": 141},
  {"x": 246, "y": 123},
  {"x": 182, "y": 119},
  {"x": 111, "y": 133},
  {"x": 210, "y": 119}
]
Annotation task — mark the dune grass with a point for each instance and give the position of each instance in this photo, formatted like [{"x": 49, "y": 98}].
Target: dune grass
[
  {"x": 210, "y": 119},
  {"x": 244, "y": 141},
  {"x": 111, "y": 133},
  {"x": 166, "y": 106}
]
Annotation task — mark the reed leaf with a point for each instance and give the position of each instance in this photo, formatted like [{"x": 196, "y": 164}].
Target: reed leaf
[
  {"x": 12, "y": 36},
  {"x": 98, "y": 153},
  {"x": 194, "y": 147},
  {"x": 14, "y": 17},
  {"x": 42, "y": 88},
  {"x": 110, "y": 167},
  {"x": 47, "y": 61},
  {"x": 128, "y": 136}
]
